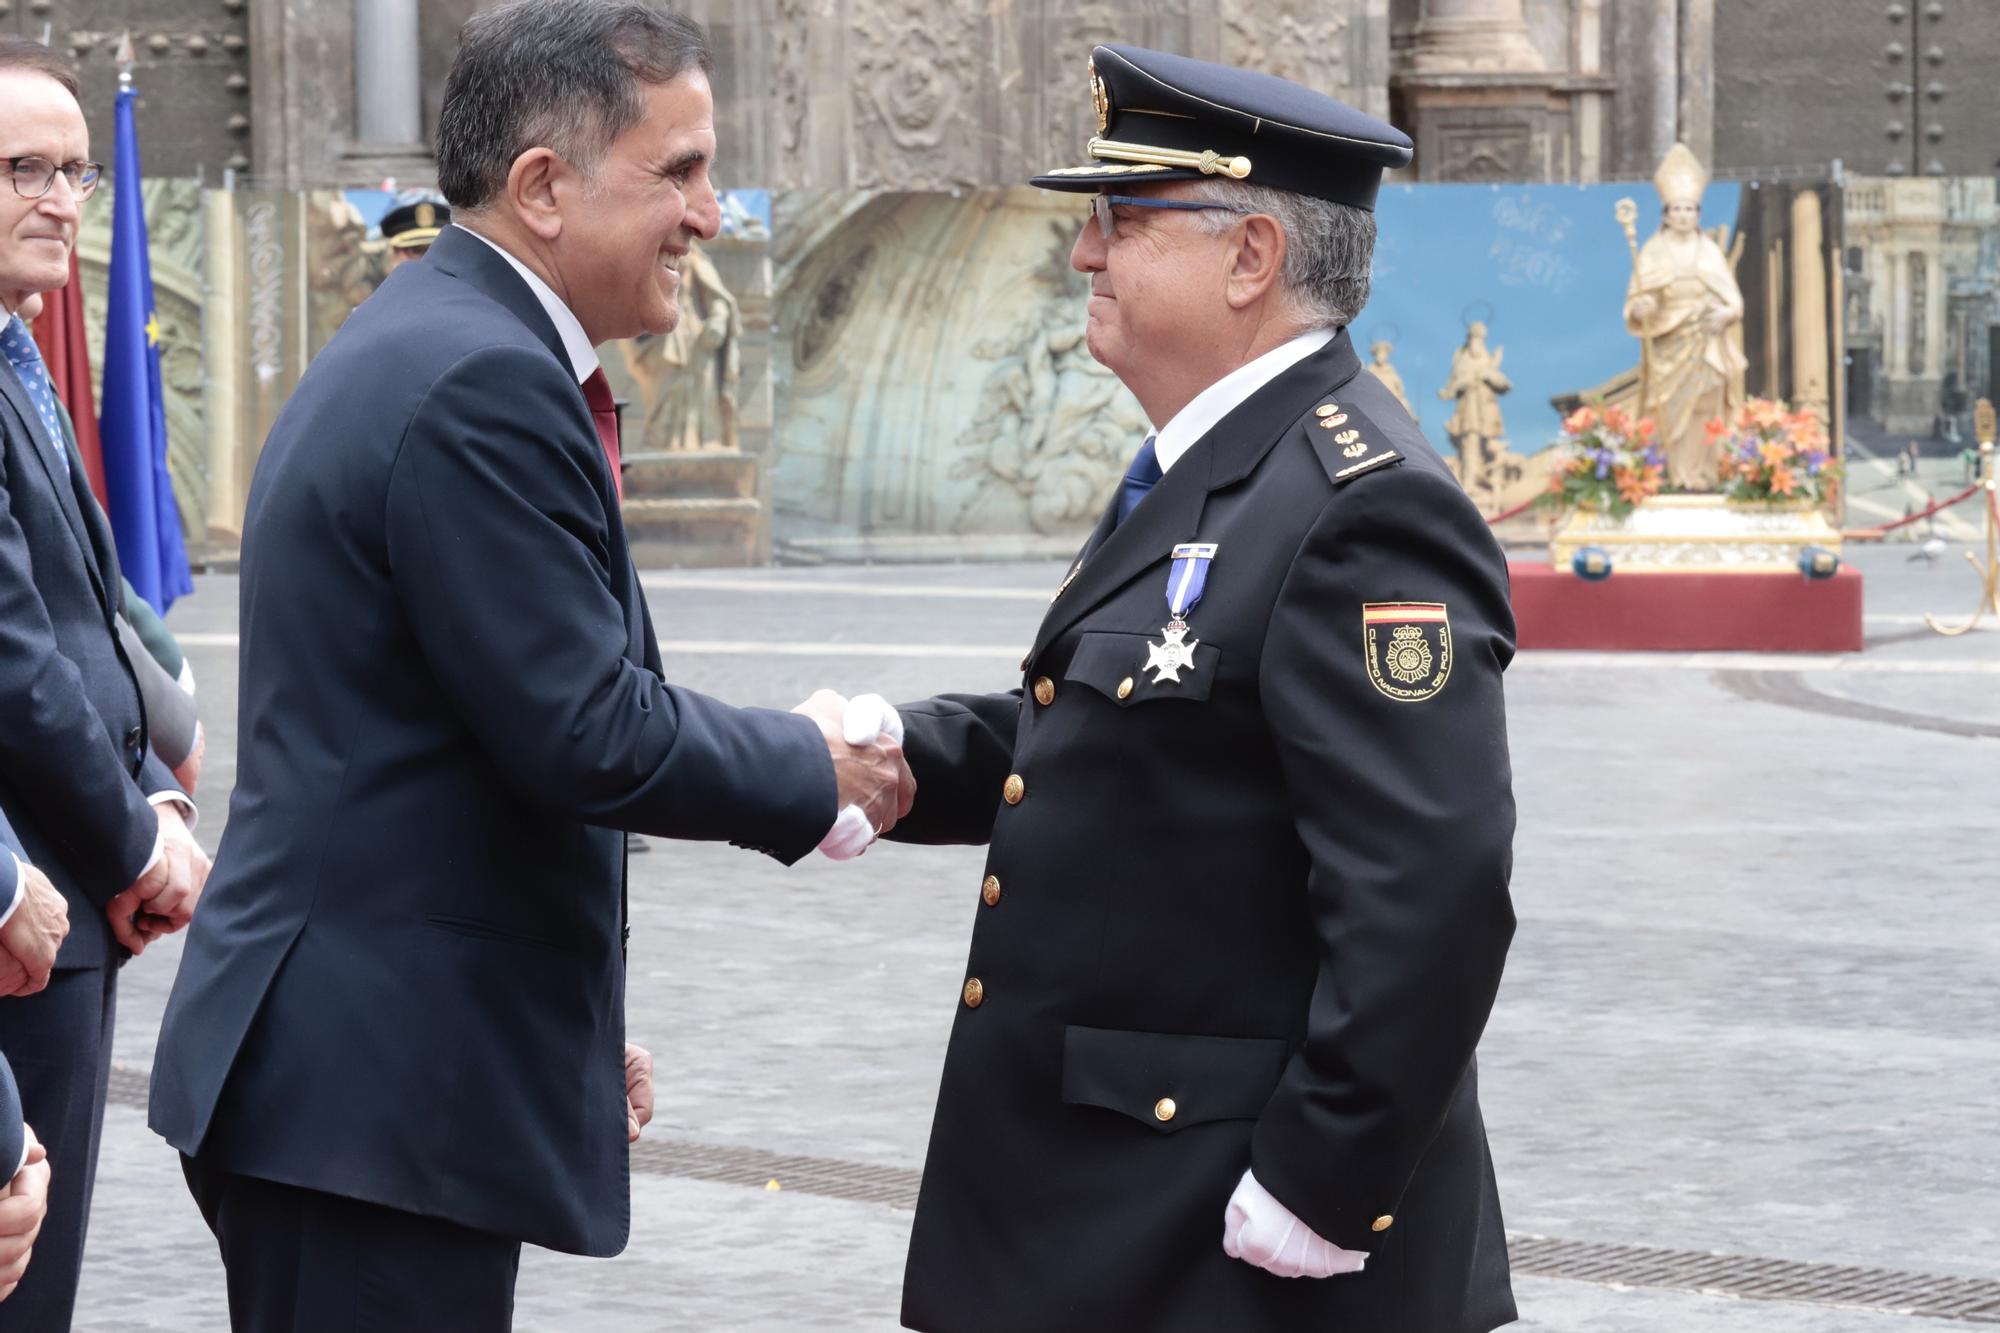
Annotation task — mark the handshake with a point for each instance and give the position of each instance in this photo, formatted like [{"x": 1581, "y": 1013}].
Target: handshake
[{"x": 873, "y": 782}]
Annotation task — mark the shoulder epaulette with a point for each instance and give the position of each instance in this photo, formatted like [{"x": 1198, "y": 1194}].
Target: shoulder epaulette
[{"x": 1343, "y": 446}]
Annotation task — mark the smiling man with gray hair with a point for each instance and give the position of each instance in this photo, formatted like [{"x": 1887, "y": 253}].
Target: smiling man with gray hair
[
  {"x": 1245, "y": 906},
  {"x": 395, "y": 1049}
]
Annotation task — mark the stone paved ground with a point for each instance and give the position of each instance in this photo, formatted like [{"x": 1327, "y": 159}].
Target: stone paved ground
[{"x": 1751, "y": 1007}]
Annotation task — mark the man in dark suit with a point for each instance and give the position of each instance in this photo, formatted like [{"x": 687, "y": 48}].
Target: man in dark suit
[
  {"x": 395, "y": 1048},
  {"x": 1246, "y": 905},
  {"x": 24, "y": 1199},
  {"x": 34, "y": 920},
  {"x": 94, "y": 808}
]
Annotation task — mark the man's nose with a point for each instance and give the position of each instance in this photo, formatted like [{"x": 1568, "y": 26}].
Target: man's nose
[
  {"x": 1087, "y": 255},
  {"x": 60, "y": 200},
  {"x": 704, "y": 212}
]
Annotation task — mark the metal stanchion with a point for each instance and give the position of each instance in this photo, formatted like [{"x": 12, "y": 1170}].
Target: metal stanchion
[{"x": 1989, "y": 569}]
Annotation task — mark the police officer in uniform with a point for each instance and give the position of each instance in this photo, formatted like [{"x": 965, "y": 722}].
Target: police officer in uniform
[
  {"x": 1246, "y": 901},
  {"x": 410, "y": 228}
]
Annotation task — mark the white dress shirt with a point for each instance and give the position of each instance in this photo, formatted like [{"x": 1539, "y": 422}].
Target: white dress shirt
[
  {"x": 1227, "y": 394},
  {"x": 582, "y": 356}
]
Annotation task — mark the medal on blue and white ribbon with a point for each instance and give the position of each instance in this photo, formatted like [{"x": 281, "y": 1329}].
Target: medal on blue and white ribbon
[{"x": 1186, "y": 578}]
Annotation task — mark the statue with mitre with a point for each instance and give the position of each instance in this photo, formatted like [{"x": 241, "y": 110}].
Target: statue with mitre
[{"x": 1684, "y": 305}]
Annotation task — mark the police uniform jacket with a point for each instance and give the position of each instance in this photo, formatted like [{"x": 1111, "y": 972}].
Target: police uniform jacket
[{"x": 1252, "y": 917}]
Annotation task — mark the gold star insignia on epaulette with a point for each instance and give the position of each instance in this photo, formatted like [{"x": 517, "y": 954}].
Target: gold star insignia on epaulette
[
  {"x": 1333, "y": 422},
  {"x": 1355, "y": 450},
  {"x": 1326, "y": 409}
]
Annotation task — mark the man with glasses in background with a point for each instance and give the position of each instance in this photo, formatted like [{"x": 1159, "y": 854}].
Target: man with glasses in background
[
  {"x": 94, "y": 808},
  {"x": 1250, "y": 815}
]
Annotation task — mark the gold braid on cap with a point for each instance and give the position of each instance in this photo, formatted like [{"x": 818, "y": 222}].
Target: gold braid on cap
[{"x": 1208, "y": 162}]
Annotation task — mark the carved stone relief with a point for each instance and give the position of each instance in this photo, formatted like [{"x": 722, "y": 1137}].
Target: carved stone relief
[
  {"x": 1300, "y": 42},
  {"x": 915, "y": 94}
]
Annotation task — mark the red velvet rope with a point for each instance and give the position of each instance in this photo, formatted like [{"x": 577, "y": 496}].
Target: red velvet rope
[
  {"x": 1876, "y": 533},
  {"x": 1515, "y": 512}
]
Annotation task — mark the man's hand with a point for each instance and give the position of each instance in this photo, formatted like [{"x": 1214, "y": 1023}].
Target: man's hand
[
  {"x": 638, "y": 1090},
  {"x": 29, "y": 940},
  {"x": 873, "y": 776},
  {"x": 189, "y": 773},
  {"x": 163, "y": 899},
  {"x": 24, "y": 1205},
  {"x": 1262, "y": 1232}
]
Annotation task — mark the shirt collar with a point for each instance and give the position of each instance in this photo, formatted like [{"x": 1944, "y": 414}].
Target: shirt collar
[
  {"x": 1224, "y": 396},
  {"x": 582, "y": 356}
]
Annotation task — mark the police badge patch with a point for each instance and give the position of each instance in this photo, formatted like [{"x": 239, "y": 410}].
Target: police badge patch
[{"x": 1408, "y": 647}]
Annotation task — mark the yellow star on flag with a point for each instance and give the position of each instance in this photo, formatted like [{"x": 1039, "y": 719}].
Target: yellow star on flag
[{"x": 152, "y": 329}]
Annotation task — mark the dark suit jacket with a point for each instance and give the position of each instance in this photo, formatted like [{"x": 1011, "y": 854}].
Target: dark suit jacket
[
  {"x": 75, "y": 770},
  {"x": 1273, "y": 892},
  {"x": 406, "y": 981}
]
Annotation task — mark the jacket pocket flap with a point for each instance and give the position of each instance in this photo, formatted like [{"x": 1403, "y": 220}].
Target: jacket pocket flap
[
  {"x": 1114, "y": 664},
  {"x": 1169, "y": 1081}
]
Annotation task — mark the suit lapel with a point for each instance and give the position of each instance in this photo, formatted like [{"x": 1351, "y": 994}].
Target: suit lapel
[
  {"x": 470, "y": 259},
  {"x": 59, "y": 477},
  {"x": 1171, "y": 513}
]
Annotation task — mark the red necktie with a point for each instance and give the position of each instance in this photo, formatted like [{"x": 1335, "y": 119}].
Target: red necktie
[{"x": 604, "y": 414}]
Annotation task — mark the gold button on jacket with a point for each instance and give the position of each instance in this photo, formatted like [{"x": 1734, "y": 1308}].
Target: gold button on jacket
[
  {"x": 1164, "y": 1109},
  {"x": 1014, "y": 790},
  {"x": 990, "y": 891},
  {"x": 1125, "y": 688},
  {"x": 1045, "y": 691},
  {"x": 975, "y": 992},
  {"x": 1382, "y": 1223}
]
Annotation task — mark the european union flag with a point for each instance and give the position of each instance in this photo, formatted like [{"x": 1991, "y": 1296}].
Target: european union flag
[{"x": 144, "y": 518}]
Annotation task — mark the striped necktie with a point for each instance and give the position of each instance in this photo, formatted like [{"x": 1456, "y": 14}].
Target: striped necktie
[{"x": 18, "y": 346}]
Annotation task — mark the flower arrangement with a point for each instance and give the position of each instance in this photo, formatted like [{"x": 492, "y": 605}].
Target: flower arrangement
[
  {"x": 1771, "y": 455},
  {"x": 1605, "y": 461}
]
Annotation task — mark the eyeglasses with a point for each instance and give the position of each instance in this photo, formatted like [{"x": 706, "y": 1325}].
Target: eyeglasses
[
  {"x": 35, "y": 176},
  {"x": 1100, "y": 207}
]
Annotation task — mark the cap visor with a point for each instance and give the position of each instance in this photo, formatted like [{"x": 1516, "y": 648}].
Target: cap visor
[{"x": 1089, "y": 179}]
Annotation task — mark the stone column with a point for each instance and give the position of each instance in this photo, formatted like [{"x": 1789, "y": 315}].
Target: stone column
[
  {"x": 222, "y": 355},
  {"x": 1697, "y": 77},
  {"x": 388, "y": 96},
  {"x": 1809, "y": 327},
  {"x": 1663, "y": 51},
  {"x": 1482, "y": 101},
  {"x": 1462, "y": 36}
]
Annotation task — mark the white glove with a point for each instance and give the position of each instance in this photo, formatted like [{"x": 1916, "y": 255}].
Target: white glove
[
  {"x": 1262, "y": 1232},
  {"x": 868, "y": 717}
]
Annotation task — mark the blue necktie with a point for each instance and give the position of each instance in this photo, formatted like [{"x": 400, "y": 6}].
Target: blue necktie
[
  {"x": 1142, "y": 476},
  {"x": 19, "y": 348}
]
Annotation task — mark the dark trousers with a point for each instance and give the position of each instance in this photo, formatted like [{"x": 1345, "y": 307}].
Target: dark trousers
[
  {"x": 300, "y": 1261},
  {"x": 59, "y": 1043}
]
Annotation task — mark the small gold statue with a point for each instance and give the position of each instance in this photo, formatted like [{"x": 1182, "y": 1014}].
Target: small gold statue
[{"x": 1683, "y": 303}]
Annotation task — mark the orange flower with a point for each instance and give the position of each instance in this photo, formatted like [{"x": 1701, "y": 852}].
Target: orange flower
[
  {"x": 1774, "y": 455},
  {"x": 1581, "y": 420},
  {"x": 1716, "y": 428},
  {"x": 1617, "y": 421},
  {"x": 1783, "y": 481},
  {"x": 1631, "y": 485},
  {"x": 1556, "y": 483},
  {"x": 1646, "y": 428}
]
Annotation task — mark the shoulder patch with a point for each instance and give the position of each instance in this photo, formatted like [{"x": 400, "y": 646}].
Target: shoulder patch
[{"x": 1345, "y": 442}]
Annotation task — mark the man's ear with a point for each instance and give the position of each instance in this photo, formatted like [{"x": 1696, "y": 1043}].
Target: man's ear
[
  {"x": 534, "y": 185},
  {"x": 1257, "y": 261}
]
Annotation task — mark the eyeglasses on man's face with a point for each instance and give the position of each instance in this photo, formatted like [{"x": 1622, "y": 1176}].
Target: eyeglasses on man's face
[
  {"x": 1101, "y": 205},
  {"x": 35, "y": 176}
]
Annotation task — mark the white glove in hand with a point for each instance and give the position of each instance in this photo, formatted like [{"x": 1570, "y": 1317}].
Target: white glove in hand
[
  {"x": 868, "y": 717},
  {"x": 1260, "y": 1231}
]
